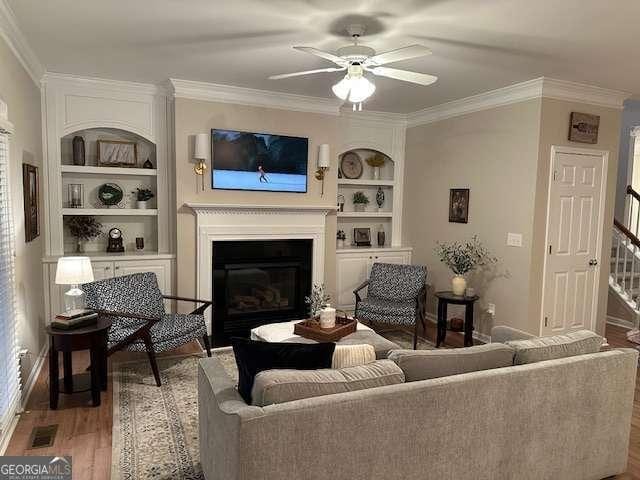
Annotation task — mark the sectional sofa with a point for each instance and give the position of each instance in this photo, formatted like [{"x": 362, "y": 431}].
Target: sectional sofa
[{"x": 532, "y": 409}]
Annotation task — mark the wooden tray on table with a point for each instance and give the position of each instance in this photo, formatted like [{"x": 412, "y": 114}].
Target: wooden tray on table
[{"x": 310, "y": 329}]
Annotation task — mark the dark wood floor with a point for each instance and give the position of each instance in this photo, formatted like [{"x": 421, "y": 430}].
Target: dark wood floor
[{"x": 85, "y": 432}]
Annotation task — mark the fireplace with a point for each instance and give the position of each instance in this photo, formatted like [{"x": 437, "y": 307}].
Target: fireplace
[{"x": 257, "y": 282}]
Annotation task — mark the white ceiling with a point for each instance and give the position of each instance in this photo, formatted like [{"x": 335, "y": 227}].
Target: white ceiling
[{"x": 478, "y": 45}]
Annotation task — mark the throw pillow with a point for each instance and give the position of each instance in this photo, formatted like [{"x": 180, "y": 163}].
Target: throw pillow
[
  {"x": 352, "y": 355},
  {"x": 558, "y": 346},
  {"x": 279, "y": 386},
  {"x": 253, "y": 357},
  {"x": 424, "y": 364}
]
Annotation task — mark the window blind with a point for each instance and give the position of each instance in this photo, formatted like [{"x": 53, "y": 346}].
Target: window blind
[{"x": 9, "y": 371}]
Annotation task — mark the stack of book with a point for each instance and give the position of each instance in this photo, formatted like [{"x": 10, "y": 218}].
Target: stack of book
[{"x": 74, "y": 319}]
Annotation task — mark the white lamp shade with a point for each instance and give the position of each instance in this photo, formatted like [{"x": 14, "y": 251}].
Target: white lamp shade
[
  {"x": 201, "y": 146},
  {"x": 74, "y": 271},
  {"x": 323, "y": 156}
]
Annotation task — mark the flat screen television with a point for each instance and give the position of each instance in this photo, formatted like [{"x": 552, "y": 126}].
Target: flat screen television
[{"x": 258, "y": 161}]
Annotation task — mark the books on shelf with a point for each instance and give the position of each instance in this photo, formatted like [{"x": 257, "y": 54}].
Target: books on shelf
[{"x": 64, "y": 322}]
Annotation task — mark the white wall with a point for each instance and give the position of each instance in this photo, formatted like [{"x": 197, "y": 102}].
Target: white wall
[{"x": 630, "y": 119}]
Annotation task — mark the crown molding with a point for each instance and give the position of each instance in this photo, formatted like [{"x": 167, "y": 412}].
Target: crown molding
[
  {"x": 375, "y": 117},
  {"x": 52, "y": 78},
  {"x": 542, "y": 87},
  {"x": 214, "y": 92},
  {"x": 17, "y": 42}
]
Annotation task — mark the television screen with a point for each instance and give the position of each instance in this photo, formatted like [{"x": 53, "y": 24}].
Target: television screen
[{"x": 258, "y": 161}]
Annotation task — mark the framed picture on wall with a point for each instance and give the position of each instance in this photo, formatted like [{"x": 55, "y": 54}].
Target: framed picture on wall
[
  {"x": 112, "y": 153},
  {"x": 583, "y": 127},
  {"x": 459, "y": 205},
  {"x": 30, "y": 190}
]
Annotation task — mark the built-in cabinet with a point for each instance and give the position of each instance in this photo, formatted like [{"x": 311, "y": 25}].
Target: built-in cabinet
[
  {"x": 354, "y": 266},
  {"x": 121, "y": 113}
]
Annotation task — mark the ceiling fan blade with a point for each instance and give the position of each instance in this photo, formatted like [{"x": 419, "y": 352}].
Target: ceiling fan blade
[
  {"x": 308, "y": 72},
  {"x": 404, "y": 53},
  {"x": 404, "y": 75},
  {"x": 326, "y": 55}
]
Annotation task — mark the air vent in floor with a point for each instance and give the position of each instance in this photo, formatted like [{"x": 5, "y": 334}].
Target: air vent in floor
[{"x": 44, "y": 436}]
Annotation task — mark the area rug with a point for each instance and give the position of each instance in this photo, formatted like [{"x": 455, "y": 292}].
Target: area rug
[{"x": 155, "y": 430}]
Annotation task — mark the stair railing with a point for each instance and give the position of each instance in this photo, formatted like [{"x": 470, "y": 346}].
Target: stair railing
[{"x": 626, "y": 249}]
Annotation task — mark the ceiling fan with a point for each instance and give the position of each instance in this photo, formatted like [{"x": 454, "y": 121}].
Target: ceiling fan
[{"x": 357, "y": 60}]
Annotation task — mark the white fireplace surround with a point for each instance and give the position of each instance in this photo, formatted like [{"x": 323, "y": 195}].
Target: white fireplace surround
[{"x": 227, "y": 222}]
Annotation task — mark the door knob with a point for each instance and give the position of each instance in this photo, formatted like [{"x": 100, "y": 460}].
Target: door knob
[{"x": 593, "y": 262}]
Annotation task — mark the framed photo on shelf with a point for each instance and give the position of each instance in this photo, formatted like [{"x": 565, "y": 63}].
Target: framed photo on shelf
[
  {"x": 30, "y": 189},
  {"x": 113, "y": 153},
  {"x": 459, "y": 205},
  {"x": 362, "y": 237}
]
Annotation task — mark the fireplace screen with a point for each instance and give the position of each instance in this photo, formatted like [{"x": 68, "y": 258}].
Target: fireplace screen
[{"x": 261, "y": 288}]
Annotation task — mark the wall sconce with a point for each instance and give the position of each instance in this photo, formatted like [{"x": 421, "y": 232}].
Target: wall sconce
[
  {"x": 200, "y": 153},
  {"x": 324, "y": 162}
]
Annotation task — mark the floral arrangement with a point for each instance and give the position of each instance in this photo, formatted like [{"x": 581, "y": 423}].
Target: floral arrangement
[
  {"x": 463, "y": 258},
  {"x": 143, "y": 194},
  {"x": 376, "y": 160},
  {"x": 83, "y": 227},
  {"x": 317, "y": 300},
  {"x": 341, "y": 235},
  {"x": 360, "y": 198}
]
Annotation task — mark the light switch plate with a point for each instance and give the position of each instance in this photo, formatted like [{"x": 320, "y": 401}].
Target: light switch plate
[{"x": 514, "y": 239}]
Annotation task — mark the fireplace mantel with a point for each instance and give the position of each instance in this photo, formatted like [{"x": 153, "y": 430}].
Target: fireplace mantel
[{"x": 229, "y": 222}]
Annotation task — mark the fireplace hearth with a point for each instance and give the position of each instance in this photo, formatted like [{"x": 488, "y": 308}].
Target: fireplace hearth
[{"x": 258, "y": 282}]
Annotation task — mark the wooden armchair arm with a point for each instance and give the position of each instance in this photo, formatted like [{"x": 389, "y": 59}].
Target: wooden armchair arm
[
  {"x": 356, "y": 292},
  {"x": 198, "y": 311},
  {"x": 138, "y": 316}
]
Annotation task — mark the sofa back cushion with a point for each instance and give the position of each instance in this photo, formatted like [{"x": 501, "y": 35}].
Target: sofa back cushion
[
  {"x": 279, "y": 386},
  {"x": 558, "y": 346},
  {"x": 425, "y": 364}
]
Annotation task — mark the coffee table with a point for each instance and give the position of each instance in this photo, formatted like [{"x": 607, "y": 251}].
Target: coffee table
[{"x": 283, "y": 332}]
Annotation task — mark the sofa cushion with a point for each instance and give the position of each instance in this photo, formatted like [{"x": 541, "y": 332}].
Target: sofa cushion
[
  {"x": 425, "y": 364},
  {"x": 253, "y": 357},
  {"x": 558, "y": 346},
  {"x": 352, "y": 355},
  {"x": 279, "y": 386}
]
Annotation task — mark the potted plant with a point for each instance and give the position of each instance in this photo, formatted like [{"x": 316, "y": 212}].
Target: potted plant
[
  {"x": 376, "y": 161},
  {"x": 463, "y": 258},
  {"x": 317, "y": 300},
  {"x": 143, "y": 195},
  {"x": 341, "y": 237},
  {"x": 84, "y": 228},
  {"x": 360, "y": 201}
]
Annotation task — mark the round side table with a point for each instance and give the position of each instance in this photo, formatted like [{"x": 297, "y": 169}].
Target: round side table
[
  {"x": 91, "y": 337},
  {"x": 446, "y": 298}
]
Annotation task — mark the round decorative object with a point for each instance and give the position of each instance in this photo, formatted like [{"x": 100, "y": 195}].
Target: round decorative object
[
  {"x": 110, "y": 194},
  {"x": 115, "y": 233},
  {"x": 380, "y": 197},
  {"x": 351, "y": 165}
]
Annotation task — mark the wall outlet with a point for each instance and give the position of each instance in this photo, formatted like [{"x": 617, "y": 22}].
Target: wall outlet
[
  {"x": 491, "y": 309},
  {"x": 514, "y": 239}
]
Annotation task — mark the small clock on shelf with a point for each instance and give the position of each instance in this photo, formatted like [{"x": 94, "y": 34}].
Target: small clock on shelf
[
  {"x": 115, "y": 241},
  {"x": 351, "y": 165}
]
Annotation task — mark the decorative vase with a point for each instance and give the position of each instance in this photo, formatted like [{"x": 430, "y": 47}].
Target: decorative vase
[
  {"x": 79, "y": 246},
  {"x": 380, "y": 198},
  {"x": 341, "y": 243},
  {"x": 140, "y": 243},
  {"x": 78, "y": 151},
  {"x": 359, "y": 207},
  {"x": 458, "y": 285},
  {"x": 381, "y": 236},
  {"x": 141, "y": 204},
  {"x": 376, "y": 173}
]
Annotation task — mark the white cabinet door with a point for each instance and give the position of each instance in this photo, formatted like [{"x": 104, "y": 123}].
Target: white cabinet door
[
  {"x": 352, "y": 270},
  {"x": 401, "y": 258},
  {"x": 102, "y": 270},
  {"x": 162, "y": 269}
]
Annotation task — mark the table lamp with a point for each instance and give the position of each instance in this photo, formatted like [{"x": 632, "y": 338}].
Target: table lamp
[{"x": 74, "y": 271}]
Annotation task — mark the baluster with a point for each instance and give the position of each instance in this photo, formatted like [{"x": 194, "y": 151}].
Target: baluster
[
  {"x": 637, "y": 225},
  {"x": 630, "y": 213},
  {"x": 624, "y": 268},
  {"x": 616, "y": 278}
]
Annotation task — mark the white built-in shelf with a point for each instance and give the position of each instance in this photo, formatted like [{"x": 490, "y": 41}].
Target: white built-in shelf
[
  {"x": 88, "y": 170},
  {"x": 149, "y": 212},
  {"x": 372, "y": 249},
  {"x": 128, "y": 255},
  {"x": 366, "y": 182},
  {"x": 365, "y": 214}
]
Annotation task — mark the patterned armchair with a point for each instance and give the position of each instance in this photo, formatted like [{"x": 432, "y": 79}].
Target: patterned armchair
[
  {"x": 396, "y": 296},
  {"x": 140, "y": 322}
]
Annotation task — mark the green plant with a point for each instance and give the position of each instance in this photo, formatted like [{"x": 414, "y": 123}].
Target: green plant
[
  {"x": 360, "y": 197},
  {"x": 376, "y": 160},
  {"x": 143, "y": 194},
  {"x": 462, "y": 258},
  {"x": 341, "y": 235},
  {"x": 317, "y": 300},
  {"x": 83, "y": 227}
]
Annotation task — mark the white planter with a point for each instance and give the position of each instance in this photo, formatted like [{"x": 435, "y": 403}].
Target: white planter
[
  {"x": 142, "y": 204},
  {"x": 376, "y": 173},
  {"x": 341, "y": 243},
  {"x": 458, "y": 285},
  {"x": 359, "y": 207}
]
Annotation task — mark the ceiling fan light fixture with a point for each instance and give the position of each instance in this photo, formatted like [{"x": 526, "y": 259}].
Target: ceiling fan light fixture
[
  {"x": 342, "y": 88},
  {"x": 356, "y": 89}
]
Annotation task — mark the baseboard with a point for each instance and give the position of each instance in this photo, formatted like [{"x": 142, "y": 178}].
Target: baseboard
[
  {"x": 481, "y": 337},
  {"x": 33, "y": 375},
  {"x": 620, "y": 322}
]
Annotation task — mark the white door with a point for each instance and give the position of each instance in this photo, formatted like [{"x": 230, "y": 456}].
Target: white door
[
  {"x": 574, "y": 225},
  {"x": 351, "y": 271}
]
